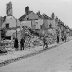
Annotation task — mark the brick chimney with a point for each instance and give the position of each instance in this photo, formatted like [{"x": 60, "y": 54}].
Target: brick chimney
[
  {"x": 26, "y": 10},
  {"x": 9, "y": 9}
]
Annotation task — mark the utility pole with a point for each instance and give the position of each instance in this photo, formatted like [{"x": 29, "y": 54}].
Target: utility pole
[
  {"x": 1, "y": 21},
  {"x": 20, "y": 30},
  {"x": 16, "y": 28},
  {"x": 0, "y": 33}
]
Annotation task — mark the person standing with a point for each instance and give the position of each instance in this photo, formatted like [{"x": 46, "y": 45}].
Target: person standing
[
  {"x": 16, "y": 43},
  {"x": 58, "y": 34},
  {"x": 45, "y": 43},
  {"x": 65, "y": 37},
  {"x": 62, "y": 38},
  {"x": 57, "y": 38},
  {"x": 22, "y": 43}
]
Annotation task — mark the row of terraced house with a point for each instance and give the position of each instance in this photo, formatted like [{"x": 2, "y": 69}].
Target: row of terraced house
[{"x": 35, "y": 21}]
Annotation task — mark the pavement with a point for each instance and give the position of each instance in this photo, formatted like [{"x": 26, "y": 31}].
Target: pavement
[{"x": 17, "y": 55}]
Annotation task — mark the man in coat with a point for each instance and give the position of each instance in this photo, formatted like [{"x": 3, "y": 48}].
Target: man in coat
[
  {"x": 16, "y": 43},
  {"x": 45, "y": 43},
  {"x": 22, "y": 43},
  {"x": 57, "y": 38}
]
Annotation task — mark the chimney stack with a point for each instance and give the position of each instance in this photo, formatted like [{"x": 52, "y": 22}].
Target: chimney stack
[
  {"x": 9, "y": 9},
  {"x": 26, "y": 10}
]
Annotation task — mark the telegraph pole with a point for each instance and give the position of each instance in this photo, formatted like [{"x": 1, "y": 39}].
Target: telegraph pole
[
  {"x": 1, "y": 21},
  {"x": 16, "y": 28}
]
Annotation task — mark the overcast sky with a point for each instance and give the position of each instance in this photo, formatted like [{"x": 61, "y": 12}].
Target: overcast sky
[{"x": 61, "y": 8}]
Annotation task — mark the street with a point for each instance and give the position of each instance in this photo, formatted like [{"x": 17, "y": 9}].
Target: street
[{"x": 58, "y": 59}]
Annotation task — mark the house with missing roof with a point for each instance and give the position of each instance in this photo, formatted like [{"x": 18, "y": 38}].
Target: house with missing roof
[
  {"x": 10, "y": 23},
  {"x": 31, "y": 19},
  {"x": 36, "y": 20}
]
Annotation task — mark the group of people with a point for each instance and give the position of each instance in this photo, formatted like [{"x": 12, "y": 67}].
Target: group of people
[
  {"x": 45, "y": 44},
  {"x": 16, "y": 45}
]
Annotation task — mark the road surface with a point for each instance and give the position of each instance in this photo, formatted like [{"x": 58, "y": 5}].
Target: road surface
[{"x": 58, "y": 59}]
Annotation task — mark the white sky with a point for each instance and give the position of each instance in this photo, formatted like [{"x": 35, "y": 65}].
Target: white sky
[{"x": 61, "y": 8}]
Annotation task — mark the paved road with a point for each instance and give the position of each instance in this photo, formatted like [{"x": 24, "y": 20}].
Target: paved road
[{"x": 58, "y": 59}]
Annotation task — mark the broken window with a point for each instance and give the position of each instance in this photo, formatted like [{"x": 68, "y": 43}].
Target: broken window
[
  {"x": 7, "y": 25},
  {"x": 50, "y": 26},
  {"x": 27, "y": 18}
]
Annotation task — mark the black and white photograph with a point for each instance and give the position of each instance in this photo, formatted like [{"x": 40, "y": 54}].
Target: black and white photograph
[{"x": 35, "y": 35}]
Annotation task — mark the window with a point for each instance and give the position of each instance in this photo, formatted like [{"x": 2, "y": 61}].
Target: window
[
  {"x": 27, "y": 18},
  {"x": 7, "y": 25},
  {"x": 36, "y": 22},
  {"x": 50, "y": 26},
  {"x": 8, "y": 37}
]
